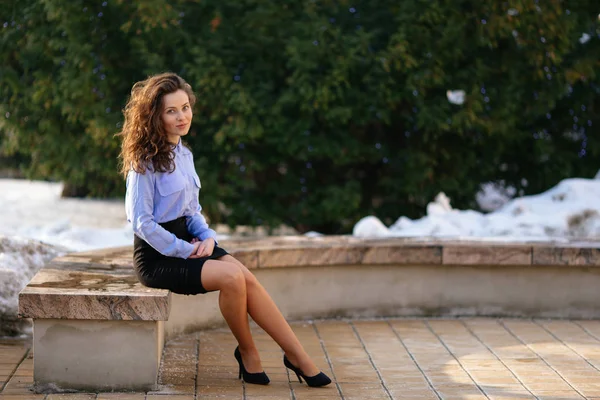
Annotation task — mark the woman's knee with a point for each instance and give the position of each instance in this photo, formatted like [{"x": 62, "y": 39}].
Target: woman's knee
[
  {"x": 233, "y": 278},
  {"x": 223, "y": 275},
  {"x": 248, "y": 276}
]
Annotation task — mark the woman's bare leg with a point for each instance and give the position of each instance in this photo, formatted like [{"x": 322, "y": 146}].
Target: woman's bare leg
[
  {"x": 229, "y": 280},
  {"x": 265, "y": 313}
]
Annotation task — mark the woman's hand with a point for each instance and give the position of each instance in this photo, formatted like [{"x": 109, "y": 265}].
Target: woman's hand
[{"x": 202, "y": 248}]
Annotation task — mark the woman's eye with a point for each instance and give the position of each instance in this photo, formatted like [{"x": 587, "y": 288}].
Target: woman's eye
[{"x": 186, "y": 107}]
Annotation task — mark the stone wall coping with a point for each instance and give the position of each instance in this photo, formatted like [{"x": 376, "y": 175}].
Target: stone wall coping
[
  {"x": 284, "y": 251},
  {"x": 100, "y": 284}
]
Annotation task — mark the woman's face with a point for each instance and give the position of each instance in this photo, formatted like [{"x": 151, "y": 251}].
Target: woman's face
[{"x": 176, "y": 115}]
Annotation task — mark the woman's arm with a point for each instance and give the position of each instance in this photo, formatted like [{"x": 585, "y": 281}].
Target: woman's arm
[
  {"x": 139, "y": 205},
  {"x": 198, "y": 226}
]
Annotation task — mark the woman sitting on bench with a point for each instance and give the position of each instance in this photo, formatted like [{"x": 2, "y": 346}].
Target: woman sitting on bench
[{"x": 173, "y": 246}]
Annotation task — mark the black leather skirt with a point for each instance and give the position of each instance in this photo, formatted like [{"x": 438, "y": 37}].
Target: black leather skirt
[{"x": 179, "y": 275}]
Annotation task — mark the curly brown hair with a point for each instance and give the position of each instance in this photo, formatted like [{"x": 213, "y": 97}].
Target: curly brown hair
[{"x": 144, "y": 138}]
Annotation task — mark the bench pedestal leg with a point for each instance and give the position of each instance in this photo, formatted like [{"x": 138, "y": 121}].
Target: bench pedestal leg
[{"x": 96, "y": 355}]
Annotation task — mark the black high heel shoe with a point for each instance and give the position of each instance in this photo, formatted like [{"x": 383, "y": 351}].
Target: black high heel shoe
[
  {"x": 314, "y": 381},
  {"x": 258, "y": 378}
]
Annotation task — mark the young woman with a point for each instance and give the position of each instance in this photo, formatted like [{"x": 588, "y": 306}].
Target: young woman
[{"x": 173, "y": 246}]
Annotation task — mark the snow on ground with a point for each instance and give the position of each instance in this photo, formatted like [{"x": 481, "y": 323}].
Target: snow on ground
[
  {"x": 570, "y": 210},
  {"x": 34, "y": 209},
  {"x": 20, "y": 259}
]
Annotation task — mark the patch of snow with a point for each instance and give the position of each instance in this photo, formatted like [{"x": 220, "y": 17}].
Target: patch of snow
[
  {"x": 493, "y": 195},
  {"x": 313, "y": 234},
  {"x": 34, "y": 209},
  {"x": 570, "y": 210},
  {"x": 456, "y": 96},
  {"x": 370, "y": 226},
  {"x": 584, "y": 38},
  {"x": 440, "y": 206},
  {"x": 20, "y": 259}
]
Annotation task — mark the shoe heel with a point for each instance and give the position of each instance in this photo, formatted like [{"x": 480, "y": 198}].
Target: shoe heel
[
  {"x": 240, "y": 373},
  {"x": 298, "y": 375}
]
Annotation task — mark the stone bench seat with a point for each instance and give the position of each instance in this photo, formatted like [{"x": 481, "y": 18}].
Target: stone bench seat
[
  {"x": 97, "y": 328},
  {"x": 95, "y": 325},
  {"x": 63, "y": 294}
]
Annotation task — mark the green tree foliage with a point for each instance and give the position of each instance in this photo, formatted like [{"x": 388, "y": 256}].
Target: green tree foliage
[{"x": 313, "y": 113}]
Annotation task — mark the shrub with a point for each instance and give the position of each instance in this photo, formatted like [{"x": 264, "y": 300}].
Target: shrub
[{"x": 313, "y": 114}]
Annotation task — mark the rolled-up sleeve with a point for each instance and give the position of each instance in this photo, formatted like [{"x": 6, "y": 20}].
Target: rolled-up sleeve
[
  {"x": 139, "y": 206},
  {"x": 198, "y": 226}
]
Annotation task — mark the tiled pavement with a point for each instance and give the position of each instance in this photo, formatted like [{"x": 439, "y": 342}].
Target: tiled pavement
[{"x": 421, "y": 359}]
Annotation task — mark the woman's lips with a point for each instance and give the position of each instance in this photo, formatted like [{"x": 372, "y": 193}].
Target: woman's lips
[{"x": 182, "y": 126}]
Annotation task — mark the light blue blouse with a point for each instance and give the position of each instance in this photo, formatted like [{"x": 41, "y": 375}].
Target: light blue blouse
[{"x": 156, "y": 197}]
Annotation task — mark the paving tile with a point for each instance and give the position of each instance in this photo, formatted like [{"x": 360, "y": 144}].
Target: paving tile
[
  {"x": 173, "y": 390},
  {"x": 317, "y": 396},
  {"x": 20, "y": 379},
  {"x": 591, "y": 393},
  {"x": 281, "y": 389},
  {"x": 30, "y": 396},
  {"x": 367, "y": 390},
  {"x": 278, "y": 397},
  {"x": 220, "y": 389},
  {"x": 548, "y": 386},
  {"x": 121, "y": 396},
  {"x": 497, "y": 380},
  {"x": 22, "y": 390},
  {"x": 558, "y": 395},
  {"x": 24, "y": 372},
  {"x": 71, "y": 396},
  {"x": 178, "y": 380},
  {"x": 301, "y": 389},
  {"x": 590, "y": 326},
  {"x": 417, "y": 396},
  {"x": 169, "y": 397},
  {"x": 463, "y": 395},
  {"x": 400, "y": 386},
  {"x": 511, "y": 397},
  {"x": 16, "y": 385}
]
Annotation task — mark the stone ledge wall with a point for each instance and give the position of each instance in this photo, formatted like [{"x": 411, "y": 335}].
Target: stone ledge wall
[
  {"x": 294, "y": 251},
  {"x": 410, "y": 290}
]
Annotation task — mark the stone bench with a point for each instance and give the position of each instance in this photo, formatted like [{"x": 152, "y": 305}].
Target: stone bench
[
  {"x": 94, "y": 325},
  {"x": 96, "y": 328}
]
